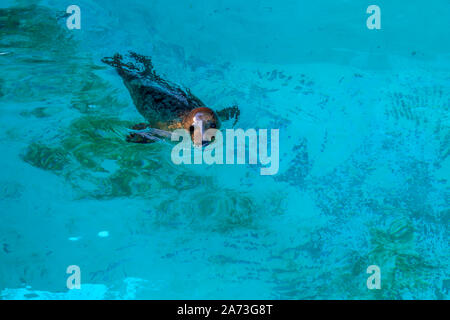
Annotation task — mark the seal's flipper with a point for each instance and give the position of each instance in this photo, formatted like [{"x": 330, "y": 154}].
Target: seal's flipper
[
  {"x": 230, "y": 113},
  {"x": 142, "y": 133},
  {"x": 142, "y": 138}
]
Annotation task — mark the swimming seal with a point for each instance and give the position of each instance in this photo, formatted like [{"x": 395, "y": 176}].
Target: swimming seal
[{"x": 164, "y": 105}]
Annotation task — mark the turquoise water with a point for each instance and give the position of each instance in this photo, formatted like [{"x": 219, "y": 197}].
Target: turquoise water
[{"x": 364, "y": 152}]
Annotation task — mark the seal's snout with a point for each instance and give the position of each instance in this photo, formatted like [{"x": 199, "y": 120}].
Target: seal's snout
[
  {"x": 202, "y": 124},
  {"x": 202, "y": 134}
]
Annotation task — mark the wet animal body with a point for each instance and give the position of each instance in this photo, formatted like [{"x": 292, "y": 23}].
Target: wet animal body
[{"x": 164, "y": 105}]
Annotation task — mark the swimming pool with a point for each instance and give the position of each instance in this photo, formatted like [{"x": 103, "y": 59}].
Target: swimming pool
[{"x": 364, "y": 143}]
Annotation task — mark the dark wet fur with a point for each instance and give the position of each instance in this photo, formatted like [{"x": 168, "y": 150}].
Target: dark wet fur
[{"x": 156, "y": 99}]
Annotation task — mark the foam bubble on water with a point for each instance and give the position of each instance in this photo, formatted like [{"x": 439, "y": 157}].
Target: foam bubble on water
[
  {"x": 88, "y": 291},
  {"x": 103, "y": 234}
]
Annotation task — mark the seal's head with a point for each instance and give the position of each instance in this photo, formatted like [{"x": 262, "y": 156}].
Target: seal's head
[{"x": 198, "y": 122}]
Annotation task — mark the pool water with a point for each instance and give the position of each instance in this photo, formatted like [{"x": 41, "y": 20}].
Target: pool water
[{"x": 364, "y": 166}]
